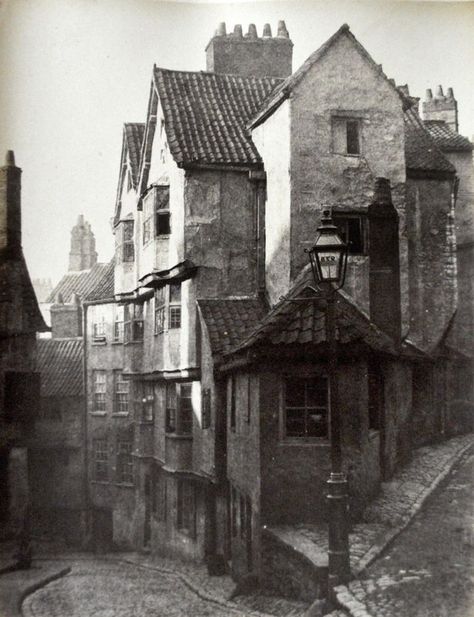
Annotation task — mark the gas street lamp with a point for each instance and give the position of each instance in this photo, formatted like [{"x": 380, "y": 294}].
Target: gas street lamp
[{"x": 328, "y": 258}]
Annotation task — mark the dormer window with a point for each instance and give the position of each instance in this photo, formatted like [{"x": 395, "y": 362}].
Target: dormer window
[
  {"x": 156, "y": 213},
  {"x": 126, "y": 246},
  {"x": 346, "y": 135}
]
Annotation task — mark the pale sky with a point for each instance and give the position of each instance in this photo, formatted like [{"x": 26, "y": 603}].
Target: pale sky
[{"x": 73, "y": 71}]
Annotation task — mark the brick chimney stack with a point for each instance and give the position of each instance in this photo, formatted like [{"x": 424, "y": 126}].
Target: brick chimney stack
[
  {"x": 441, "y": 107},
  {"x": 66, "y": 319},
  {"x": 250, "y": 55},
  {"x": 82, "y": 255},
  {"x": 384, "y": 261},
  {"x": 10, "y": 205}
]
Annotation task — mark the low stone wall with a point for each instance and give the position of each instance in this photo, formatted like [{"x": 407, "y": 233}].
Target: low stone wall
[{"x": 288, "y": 573}]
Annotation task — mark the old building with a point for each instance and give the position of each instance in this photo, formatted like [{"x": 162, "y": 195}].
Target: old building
[
  {"x": 20, "y": 320},
  {"x": 207, "y": 393}
]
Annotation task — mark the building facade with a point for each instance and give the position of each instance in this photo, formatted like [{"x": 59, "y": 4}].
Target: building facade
[{"x": 207, "y": 395}]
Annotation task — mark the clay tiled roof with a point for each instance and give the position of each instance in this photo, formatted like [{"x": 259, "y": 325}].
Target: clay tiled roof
[
  {"x": 304, "y": 322},
  {"x": 230, "y": 320},
  {"x": 60, "y": 363},
  {"x": 105, "y": 287},
  {"x": 133, "y": 133},
  {"x": 206, "y": 115},
  {"x": 81, "y": 283},
  {"x": 421, "y": 151},
  {"x": 446, "y": 137}
]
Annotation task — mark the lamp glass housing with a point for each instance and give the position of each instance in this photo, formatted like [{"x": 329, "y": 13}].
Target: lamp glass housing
[{"x": 328, "y": 255}]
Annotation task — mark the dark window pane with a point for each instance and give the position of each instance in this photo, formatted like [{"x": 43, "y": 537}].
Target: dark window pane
[
  {"x": 295, "y": 392},
  {"x": 163, "y": 227},
  {"x": 175, "y": 292},
  {"x": 316, "y": 392},
  {"x": 352, "y": 128},
  {"x": 316, "y": 423},
  {"x": 295, "y": 425}
]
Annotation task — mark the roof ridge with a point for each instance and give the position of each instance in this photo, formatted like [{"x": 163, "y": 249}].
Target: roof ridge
[{"x": 220, "y": 75}]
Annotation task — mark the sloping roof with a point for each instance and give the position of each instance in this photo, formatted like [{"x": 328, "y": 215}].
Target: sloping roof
[
  {"x": 285, "y": 88},
  {"x": 446, "y": 137},
  {"x": 60, "y": 363},
  {"x": 16, "y": 292},
  {"x": 206, "y": 115},
  {"x": 81, "y": 283},
  {"x": 133, "y": 136},
  {"x": 421, "y": 151},
  {"x": 230, "y": 320},
  {"x": 300, "y": 322},
  {"x": 105, "y": 286}
]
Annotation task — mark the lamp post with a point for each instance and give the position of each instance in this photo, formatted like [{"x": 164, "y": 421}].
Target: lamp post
[{"x": 328, "y": 258}]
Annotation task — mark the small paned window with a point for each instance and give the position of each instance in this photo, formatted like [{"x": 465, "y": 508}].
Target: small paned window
[
  {"x": 122, "y": 390},
  {"x": 306, "y": 407},
  {"x": 125, "y": 461},
  {"x": 98, "y": 329},
  {"x": 127, "y": 248},
  {"x": 133, "y": 323},
  {"x": 160, "y": 310},
  {"x": 175, "y": 305},
  {"x": 101, "y": 460},
  {"x": 118, "y": 324},
  {"x": 186, "y": 507},
  {"x": 352, "y": 137},
  {"x": 171, "y": 402},
  {"x": 99, "y": 384},
  {"x": 352, "y": 229},
  {"x": 148, "y": 402}
]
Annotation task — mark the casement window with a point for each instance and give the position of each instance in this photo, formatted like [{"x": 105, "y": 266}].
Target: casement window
[
  {"x": 99, "y": 387},
  {"x": 206, "y": 408},
  {"x": 122, "y": 393},
  {"x": 148, "y": 402},
  {"x": 133, "y": 323},
  {"x": 126, "y": 249},
  {"x": 186, "y": 507},
  {"x": 98, "y": 330},
  {"x": 124, "y": 461},
  {"x": 167, "y": 307},
  {"x": 375, "y": 384},
  {"x": 156, "y": 213},
  {"x": 306, "y": 407},
  {"x": 162, "y": 211},
  {"x": 118, "y": 323},
  {"x": 101, "y": 460},
  {"x": 346, "y": 135},
  {"x": 233, "y": 402},
  {"x": 352, "y": 228},
  {"x": 174, "y": 320},
  {"x": 160, "y": 309},
  {"x": 179, "y": 408}
]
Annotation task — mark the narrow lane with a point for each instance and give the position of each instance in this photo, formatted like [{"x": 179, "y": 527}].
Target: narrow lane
[{"x": 428, "y": 571}]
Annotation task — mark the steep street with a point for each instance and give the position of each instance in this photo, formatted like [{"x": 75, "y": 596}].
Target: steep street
[{"x": 428, "y": 569}]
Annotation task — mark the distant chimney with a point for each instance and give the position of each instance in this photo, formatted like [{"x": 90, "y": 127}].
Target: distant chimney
[
  {"x": 10, "y": 205},
  {"x": 441, "y": 107},
  {"x": 250, "y": 55},
  {"x": 66, "y": 319},
  {"x": 384, "y": 263},
  {"x": 82, "y": 255}
]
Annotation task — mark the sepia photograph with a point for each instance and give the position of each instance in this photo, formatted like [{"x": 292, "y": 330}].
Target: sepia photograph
[{"x": 236, "y": 308}]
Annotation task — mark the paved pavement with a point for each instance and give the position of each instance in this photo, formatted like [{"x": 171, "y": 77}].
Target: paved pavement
[
  {"x": 428, "y": 570},
  {"x": 390, "y": 511}
]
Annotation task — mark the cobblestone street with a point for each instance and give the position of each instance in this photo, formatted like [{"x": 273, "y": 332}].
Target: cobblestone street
[{"x": 428, "y": 569}]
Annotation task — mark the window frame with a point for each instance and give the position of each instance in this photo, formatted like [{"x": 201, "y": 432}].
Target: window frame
[
  {"x": 344, "y": 217},
  {"x": 340, "y": 121},
  {"x": 133, "y": 322},
  {"x": 101, "y": 459},
  {"x": 306, "y": 408},
  {"x": 99, "y": 391},
  {"x": 118, "y": 325},
  {"x": 127, "y": 241},
  {"x": 125, "y": 468},
  {"x": 179, "y": 419},
  {"x": 148, "y": 402},
  {"x": 118, "y": 394}
]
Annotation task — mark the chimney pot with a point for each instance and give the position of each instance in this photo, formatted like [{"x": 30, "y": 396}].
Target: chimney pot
[
  {"x": 439, "y": 93},
  {"x": 450, "y": 94},
  {"x": 428, "y": 95},
  {"x": 75, "y": 299},
  {"x": 282, "y": 31},
  {"x": 267, "y": 31},
  {"x": 252, "y": 32},
  {"x": 59, "y": 298},
  {"x": 10, "y": 158},
  {"x": 238, "y": 31},
  {"x": 221, "y": 31}
]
